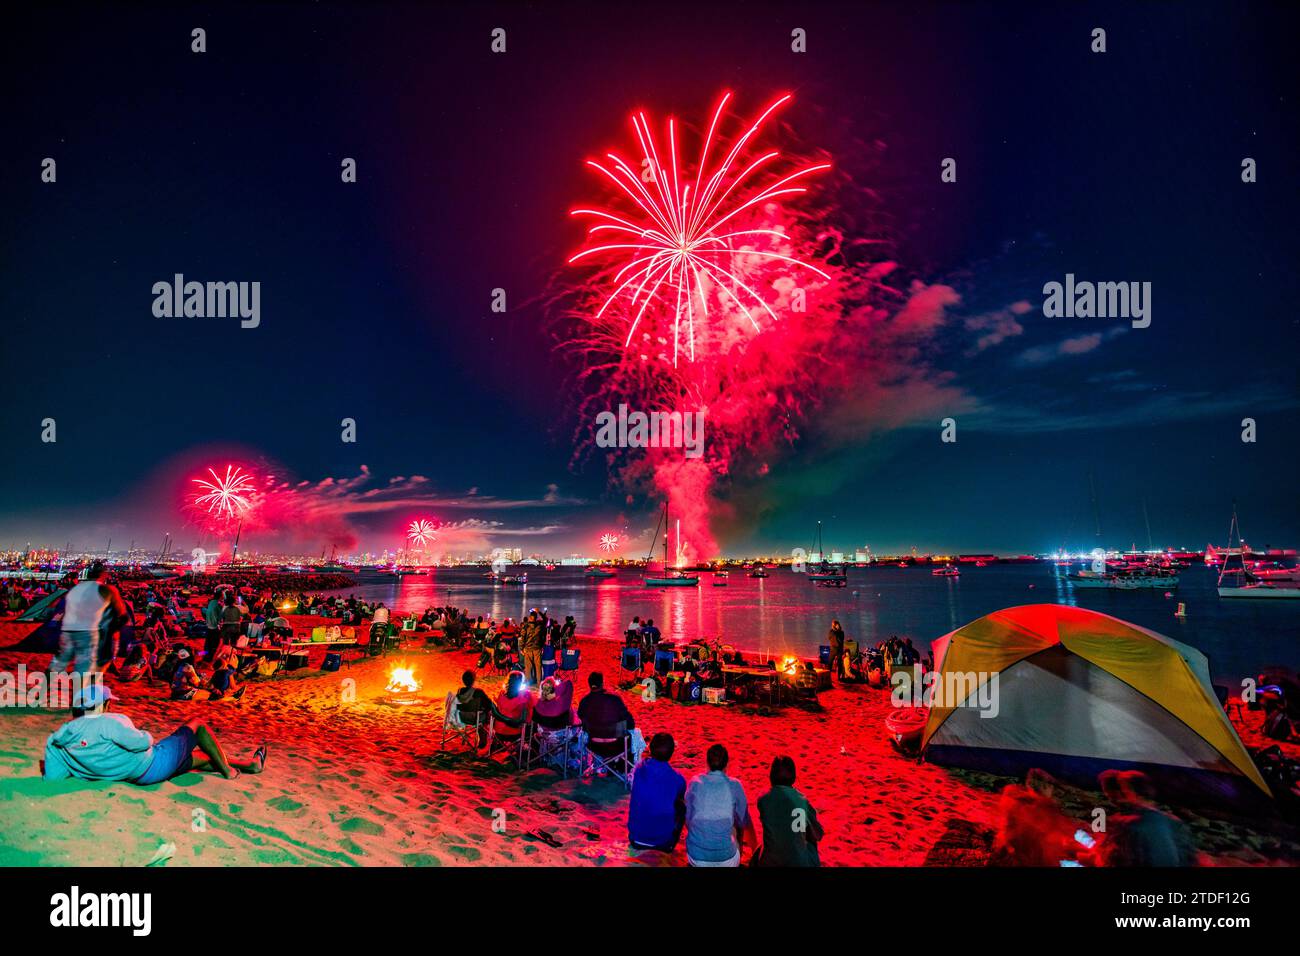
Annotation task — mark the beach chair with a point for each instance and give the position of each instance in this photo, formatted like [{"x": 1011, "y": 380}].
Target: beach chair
[
  {"x": 510, "y": 744},
  {"x": 467, "y": 732},
  {"x": 630, "y": 659},
  {"x": 609, "y": 749},
  {"x": 665, "y": 661},
  {"x": 544, "y": 746},
  {"x": 570, "y": 658}
]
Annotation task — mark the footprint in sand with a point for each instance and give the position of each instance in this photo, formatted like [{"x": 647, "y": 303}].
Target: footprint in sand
[
  {"x": 465, "y": 852},
  {"x": 361, "y": 825},
  {"x": 284, "y": 804},
  {"x": 420, "y": 859}
]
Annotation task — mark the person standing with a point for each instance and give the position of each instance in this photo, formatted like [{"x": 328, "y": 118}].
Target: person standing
[
  {"x": 532, "y": 638},
  {"x": 85, "y": 608},
  {"x": 836, "y": 638}
]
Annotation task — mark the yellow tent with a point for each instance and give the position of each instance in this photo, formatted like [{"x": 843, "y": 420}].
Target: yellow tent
[{"x": 1074, "y": 692}]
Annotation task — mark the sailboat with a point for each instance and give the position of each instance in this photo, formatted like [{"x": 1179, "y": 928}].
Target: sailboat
[
  {"x": 826, "y": 575},
  {"x": 669, "y": 578},
  {"x": 1240, "y": 582}
]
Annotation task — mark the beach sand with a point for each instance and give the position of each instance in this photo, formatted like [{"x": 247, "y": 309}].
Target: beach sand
[{"x": 361, "y": 782}]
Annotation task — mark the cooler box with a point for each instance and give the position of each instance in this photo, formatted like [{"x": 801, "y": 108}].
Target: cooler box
[
  {"x": 295, "y": 661},
  {"x": 715, "y": 695}
]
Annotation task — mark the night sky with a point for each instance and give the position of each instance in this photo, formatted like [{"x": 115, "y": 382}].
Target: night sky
[{"x": 1122, "y": 166}]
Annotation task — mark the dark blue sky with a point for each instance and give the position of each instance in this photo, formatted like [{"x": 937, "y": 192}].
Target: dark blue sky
[{"x": 225, "y": 166}]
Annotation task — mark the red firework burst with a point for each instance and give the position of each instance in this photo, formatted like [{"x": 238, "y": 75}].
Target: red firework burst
[{"x": 691, "y": 251}]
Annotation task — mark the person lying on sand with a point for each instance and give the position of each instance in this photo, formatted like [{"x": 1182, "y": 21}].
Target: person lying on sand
[{"x": 99, "y": 745}]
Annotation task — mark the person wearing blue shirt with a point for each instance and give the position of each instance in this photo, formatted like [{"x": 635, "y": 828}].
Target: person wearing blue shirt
[
  {"x": 99, "y": 745},
  {"x": 658, "y": 808}
]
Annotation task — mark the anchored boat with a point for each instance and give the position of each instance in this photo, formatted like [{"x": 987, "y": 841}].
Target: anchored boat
[
  {"x": 1235, "y": 581},
  {"x": 669, "y": 579}
]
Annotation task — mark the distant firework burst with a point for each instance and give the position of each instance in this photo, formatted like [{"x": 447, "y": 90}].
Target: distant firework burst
[
  {"x": 609, "y": 542},
  {"x": 421, "y": 532},
  {"x": 226, "y": 497},
  {"x": 687, "y": 249}
]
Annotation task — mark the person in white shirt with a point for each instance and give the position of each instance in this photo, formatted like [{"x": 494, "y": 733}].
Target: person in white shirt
[{"x": 84, "y": 611}]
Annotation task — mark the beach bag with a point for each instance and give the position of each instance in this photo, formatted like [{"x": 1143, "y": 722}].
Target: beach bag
[
  {"x": 266, "y": 667},
  {"x": 349, "y": 633},
  {"x": 332, "y": 661},
  {"x": 334, "y": 633},
  {"x": 318, "y": 634}
]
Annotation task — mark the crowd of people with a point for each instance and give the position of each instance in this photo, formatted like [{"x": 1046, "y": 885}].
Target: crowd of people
[{"x": 150, "y": 635}]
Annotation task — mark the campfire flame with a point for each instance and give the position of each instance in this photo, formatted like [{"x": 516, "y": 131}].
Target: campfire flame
[
  {"x": 401, "y": 680},
  {"x": 789, "y": 664}
]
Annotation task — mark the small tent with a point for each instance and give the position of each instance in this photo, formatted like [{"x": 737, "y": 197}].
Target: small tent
[
  {"x": 44, "y": 609},
  {"x": 1079, "y": 692}
]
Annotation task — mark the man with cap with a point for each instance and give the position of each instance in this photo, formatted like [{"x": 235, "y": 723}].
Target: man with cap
[{"x": 99, "y": 745}]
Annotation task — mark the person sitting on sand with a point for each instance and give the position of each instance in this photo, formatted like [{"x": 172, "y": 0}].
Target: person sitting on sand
[
  {"x": 1139, "y": 834},
  {"x": 186, "y": 682},
  {"x": 136, "y": 665},
  {"x": 791, "y": 830},
  {"x": 515, "y": 702},
  {"x": 718, "y": 825},
  {"x": 99, "y": 745},
  {"x": 224, "y": 681},
  {"x": 554, "y": 707},
  {"x": 657, "y": 812}
]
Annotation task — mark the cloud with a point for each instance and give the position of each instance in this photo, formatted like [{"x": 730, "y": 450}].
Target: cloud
[
  {"x": 1171, "y": 406},
  {"x": 925, "y": 310},
  {"x": 1077, "y": 345},
  {"x": 997, "y": 326}
]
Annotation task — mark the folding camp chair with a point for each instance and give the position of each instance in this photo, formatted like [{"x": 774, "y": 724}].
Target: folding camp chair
[
  {"x": 570, "y": 658},
  {"x": 630, "y": 659},
  {"x": 512, "y": 745},
  {"x": 545, "y": 746},
  {"x": 467, "y": 732},
  {"x": 610, "y": 749},
  {"x": 665, "y": 661}
]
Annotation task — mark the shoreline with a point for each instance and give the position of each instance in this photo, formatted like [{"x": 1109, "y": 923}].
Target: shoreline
[{"x": 363, "y": 783}]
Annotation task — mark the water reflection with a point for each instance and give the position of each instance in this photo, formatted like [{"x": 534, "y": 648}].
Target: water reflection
[{"x": 786, "y": 613}]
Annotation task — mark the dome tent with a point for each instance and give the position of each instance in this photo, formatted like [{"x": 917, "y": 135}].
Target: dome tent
[{"x": 1079, "y": 692}]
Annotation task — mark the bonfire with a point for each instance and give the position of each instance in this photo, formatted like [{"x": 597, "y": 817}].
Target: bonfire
[{"x": 402, "y": 687}]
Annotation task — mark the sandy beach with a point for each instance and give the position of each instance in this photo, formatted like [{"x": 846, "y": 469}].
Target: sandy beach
[{"x": 362, "y": 782}]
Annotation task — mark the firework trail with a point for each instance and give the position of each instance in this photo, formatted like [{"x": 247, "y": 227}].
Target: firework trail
[
  {"x": 723, "y": 286},
  {"x": 609, "y": 542}
]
